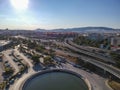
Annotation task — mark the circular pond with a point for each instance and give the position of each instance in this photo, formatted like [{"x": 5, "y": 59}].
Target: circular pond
[{"x": 55, "y": 80}]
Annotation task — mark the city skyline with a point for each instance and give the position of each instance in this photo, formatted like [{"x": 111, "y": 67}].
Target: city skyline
[{"x": 52, "y": 14}]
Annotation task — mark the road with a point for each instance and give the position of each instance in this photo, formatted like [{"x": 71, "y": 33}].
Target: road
[
  {"x": 114, "y": 71},
  {"x": 21, "y": 80},
  {"x": 30, "y": 72},
  {"x": 97, "y": 82},
  {"x": 87, "y": 52},
  {"x": 83, "y": 50},
  {"x": 1, "y": 71},
  {"x": 28, "y": 61},
  {"x": 102, "y": 65}
]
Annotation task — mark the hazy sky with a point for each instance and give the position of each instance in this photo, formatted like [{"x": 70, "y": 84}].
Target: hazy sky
[{"x": 49, "y": 14}]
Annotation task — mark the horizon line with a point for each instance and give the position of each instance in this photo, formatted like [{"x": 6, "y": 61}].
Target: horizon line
[{"x": 62, "y": 28}]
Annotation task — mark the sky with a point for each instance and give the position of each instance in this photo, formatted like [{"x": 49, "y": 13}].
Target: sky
[{"x": 52, "y": 14}]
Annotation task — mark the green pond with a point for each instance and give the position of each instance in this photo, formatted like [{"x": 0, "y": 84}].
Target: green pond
[{"x": 55, "y": 81}]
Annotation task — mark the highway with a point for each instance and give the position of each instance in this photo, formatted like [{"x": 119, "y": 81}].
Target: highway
[
  {"x": 97, "y": 82},
  {"x": 92, "y": 54},
  {"x": 114, "y": 71}
]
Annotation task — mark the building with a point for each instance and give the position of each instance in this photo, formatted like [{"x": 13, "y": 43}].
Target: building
[
  {"x": 115, "y": 43},
  {"x": 4, "y": 44},
  {"x": 96, "y": 36}
]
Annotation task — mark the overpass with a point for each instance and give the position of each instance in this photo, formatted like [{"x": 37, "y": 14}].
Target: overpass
[
  {"x": 109, "y": 68},
  {"x": 91, "y": 54}
]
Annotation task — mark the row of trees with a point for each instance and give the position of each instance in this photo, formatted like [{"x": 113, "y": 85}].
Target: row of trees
[
  {"x": 47, "y": 60},
  {"x": 81, "y": 40},
  {"x": 41, "y": 49}
]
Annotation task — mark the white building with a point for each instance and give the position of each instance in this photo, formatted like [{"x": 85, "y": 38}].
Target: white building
[
  {"x": 4, "y": 44},
  {"x": 115, "y": 43}
]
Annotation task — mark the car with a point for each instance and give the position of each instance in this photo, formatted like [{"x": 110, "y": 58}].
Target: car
[
  {"x": 15, "y": 60},
  {"x": 11, "y": 81},
  {"x": 20, "y": 59},
  {"x": 88, "y": 70},
  {"x": 44, "y": 68},
  {"x": 19, "y": 64},
  {"x": 84, "y": 68},
  {"x": 19, "y": 74},
  {"x": 78, "y": 66},
  {"x": 7, "y": 86},
  {"x": 7, "y": 64},
  {"x": 18, "y": 55},
  {"x": 10, "y": 54},
  {"x": 6, "y": 61}
]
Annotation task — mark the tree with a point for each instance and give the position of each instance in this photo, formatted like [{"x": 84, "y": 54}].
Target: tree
[
  {"x": 48, "y": 60},
  {"x": 35, "y": 58},
  {"x": 8, "y": 70},
  {"x": 40, "y": 48}
]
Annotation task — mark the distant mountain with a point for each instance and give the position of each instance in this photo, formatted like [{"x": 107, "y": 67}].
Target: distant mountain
[
  {"x": 41, "y": 30},
  {"x": 82, "y": 29},
  {"x": 79, "y": 30}
]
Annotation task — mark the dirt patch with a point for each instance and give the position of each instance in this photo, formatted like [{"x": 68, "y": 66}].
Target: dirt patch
[
  {"x": 68, "y": 57},
  {"x": 114, "y": 85}
]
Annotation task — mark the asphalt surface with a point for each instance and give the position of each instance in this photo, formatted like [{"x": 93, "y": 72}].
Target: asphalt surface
[
  {"x": 1, "y": 71},
  {"x": 10, "y": 60},
  {"x": 102, "y": 65},
  {"x": 96, "y": 81},
  {"x": 87, "y": 52}
]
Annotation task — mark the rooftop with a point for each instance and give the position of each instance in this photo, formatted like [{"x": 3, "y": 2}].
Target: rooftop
[{"x": 4, "y": 42}]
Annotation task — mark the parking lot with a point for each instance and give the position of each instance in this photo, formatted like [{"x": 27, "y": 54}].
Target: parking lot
[{"x": 1, "y": 71}]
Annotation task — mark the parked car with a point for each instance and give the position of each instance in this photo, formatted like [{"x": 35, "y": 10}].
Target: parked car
[
  {"x": 18, "y": 55},
  {"x": 7, "y": 64},
  {"x": 6, "y": 61},
  {"x": 78, "y": 66},
  {"x": 10, "y": 54},
  {"x": 11, "y": 81},
  {"x": 15, "y": 60},
  {"x": 19, "y": 64}
]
